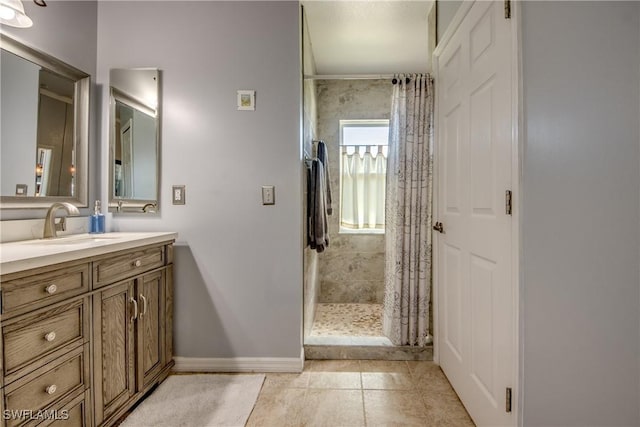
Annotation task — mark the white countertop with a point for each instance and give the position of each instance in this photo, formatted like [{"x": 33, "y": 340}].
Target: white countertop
[{"x": 27, "y": 254}]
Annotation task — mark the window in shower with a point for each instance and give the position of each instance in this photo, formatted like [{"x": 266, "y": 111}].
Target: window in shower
[{"x": 363, "y": 168}]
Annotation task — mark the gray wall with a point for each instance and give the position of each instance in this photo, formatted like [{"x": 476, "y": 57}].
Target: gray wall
[
  {"x": 67, "y": 31},
  {"x": 352, "y": 268},
  {"x": 580, "y": 230},
  {"x": 64, "y": 29},
  {"x": 238, "y": 274},
  {"x": 446, "y": 10}
]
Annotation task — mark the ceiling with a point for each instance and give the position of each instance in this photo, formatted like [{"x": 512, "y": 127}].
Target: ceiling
[{"x": 368, "y": 37}]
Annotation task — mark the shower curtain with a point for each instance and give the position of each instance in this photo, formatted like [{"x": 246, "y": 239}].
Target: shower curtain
[{"x": 408, "y": 212}]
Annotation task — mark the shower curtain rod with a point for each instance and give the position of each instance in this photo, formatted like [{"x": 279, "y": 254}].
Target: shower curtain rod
[{"x": 348, "y": 76}]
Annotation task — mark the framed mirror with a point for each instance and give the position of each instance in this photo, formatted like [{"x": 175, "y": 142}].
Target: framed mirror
[
  {"x": 44, "y": 132},
  {"x": 134, "y": 134}
]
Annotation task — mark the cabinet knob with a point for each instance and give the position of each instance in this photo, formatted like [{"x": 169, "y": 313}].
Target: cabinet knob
[
  {"x": 50, "y": 336},
  {"x": 137, "y": 263},
  {"x": 51, "y": 289},
  {"x": 51, "y": 389}
]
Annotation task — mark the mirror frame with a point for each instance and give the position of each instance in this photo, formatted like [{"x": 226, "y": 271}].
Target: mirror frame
[
  {"x": 80, "y": 131},
  {"x": 124, "y": 205}
]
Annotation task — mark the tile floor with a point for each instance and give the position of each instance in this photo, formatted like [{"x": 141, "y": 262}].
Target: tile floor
[{"x": 352, "y": 393}]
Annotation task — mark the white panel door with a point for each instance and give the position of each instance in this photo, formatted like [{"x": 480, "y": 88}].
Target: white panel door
[{"x": 474, "y": 265}]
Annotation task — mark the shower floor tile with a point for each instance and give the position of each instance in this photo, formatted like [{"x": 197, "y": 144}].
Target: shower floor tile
[{"x": 347, "y": 320}]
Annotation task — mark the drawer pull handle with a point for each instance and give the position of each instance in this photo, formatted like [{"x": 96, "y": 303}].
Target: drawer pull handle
[
  {"x": 51, "y": 389},
  {"x": 144, "y": 305},
  {"x": 50, "y": 336},
  {"x": 51, "y": 289},
  {"x": 135, "y": 309},
  {"x": 137, "y": 263}
]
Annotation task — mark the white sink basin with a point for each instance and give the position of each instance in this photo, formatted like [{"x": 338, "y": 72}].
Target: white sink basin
[{"x": 74, "y": 240}]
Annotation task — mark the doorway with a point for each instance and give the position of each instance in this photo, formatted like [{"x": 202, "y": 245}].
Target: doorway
[{"x": 344, "y": 285}]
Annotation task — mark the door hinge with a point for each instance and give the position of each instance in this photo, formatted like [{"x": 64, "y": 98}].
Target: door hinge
[
  {"x": 507, "y": 202},
  {"x": 508, "y": 400},
  {"x": 507, "y": 9}
]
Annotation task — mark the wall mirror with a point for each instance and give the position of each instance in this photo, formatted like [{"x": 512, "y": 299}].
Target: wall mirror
[
  {"x": 44, "y": 129},
  {"x": 134, "y": 140}
]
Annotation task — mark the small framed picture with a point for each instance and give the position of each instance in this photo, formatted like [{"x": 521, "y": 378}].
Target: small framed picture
[{"x": 247, "y": 100}]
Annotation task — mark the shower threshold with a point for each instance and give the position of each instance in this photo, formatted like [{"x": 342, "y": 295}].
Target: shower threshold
[
  {"x": 348, "y": 340},
  {"x": 354, "y": 331}
]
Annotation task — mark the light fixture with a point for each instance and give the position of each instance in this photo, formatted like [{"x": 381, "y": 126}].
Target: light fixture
[{"x": 12, "y": 14}]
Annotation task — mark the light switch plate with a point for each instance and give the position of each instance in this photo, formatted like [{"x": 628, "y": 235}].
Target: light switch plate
[
  {"x": 268, "y": 195},
  {"x": 21, "y": 189},
  {"x": 178, "y": 194}
]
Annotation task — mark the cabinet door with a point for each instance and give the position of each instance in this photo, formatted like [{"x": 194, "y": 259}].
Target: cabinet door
[
  {"x": 151, "y": 326},
  {"x": 114, "y": 352}
]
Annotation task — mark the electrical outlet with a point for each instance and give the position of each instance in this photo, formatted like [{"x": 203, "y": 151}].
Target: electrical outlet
[
  {"x": 178, "y": 195},
  {"x": 268, "y": 195}
]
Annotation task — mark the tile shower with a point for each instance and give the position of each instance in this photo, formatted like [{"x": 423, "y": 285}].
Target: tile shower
[{"x": 344, "y": 285}]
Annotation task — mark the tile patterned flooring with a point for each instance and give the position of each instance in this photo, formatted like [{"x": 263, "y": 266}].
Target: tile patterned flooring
[
  {"x": 352, "y": 393},
  {"x": 354, "y": 320}
]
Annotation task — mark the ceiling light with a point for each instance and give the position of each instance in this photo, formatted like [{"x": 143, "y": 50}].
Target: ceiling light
[{"x": 12, "y": 14}]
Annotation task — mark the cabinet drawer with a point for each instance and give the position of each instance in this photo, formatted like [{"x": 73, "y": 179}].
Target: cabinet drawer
[
  {"x": 73, "y": 413},
  {"x": 73, "y": 416},
  {"x": 122, "y": 266},
  {"x": 41, "y": 390},
  {"x": 38, "y": 290},
  {"x": 47, "y": 332}
]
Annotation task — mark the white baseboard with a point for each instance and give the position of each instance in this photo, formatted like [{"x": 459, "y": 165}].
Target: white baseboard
[{"x": 238, "y": 364}]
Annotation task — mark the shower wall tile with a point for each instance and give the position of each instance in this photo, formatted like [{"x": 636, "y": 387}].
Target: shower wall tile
[
  {"x": 356, "y": 242},
  {"x": 352, "y": 268},
  {"x": 311, "y": 289},
  {"x": 352, "y": 291},
  {"x": 311, "y": 282}
]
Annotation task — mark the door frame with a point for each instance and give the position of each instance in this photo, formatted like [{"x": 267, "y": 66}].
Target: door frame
[{"x": 516, "y": 187}]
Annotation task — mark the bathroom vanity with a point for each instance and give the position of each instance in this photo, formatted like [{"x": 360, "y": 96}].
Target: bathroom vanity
[{"x": 86, "y": 325}]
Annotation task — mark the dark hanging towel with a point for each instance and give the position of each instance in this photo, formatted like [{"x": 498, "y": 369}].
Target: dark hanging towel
[
  {"x": 310, "y": 192},
  {"x": 317, "y": 230},
  {"x": 324, "y": 158}
]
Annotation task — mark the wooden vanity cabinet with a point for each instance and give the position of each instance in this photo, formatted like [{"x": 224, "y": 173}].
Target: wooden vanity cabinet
[
  {"x": 46, "y": 335},
  {"x": 151, "y": 326},
  {"x": 130, "y": 335},
  {"x": 113, "y": 349},
  {"x": 84, "y": 341}
]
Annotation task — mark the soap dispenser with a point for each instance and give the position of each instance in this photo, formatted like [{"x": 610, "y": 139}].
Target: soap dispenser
[{"x": 96, "y": 221}]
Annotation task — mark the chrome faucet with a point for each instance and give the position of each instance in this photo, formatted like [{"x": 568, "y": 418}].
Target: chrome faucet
[
  {"x": 50, "y": 226},
  {"x": 146, "y": 207}
]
